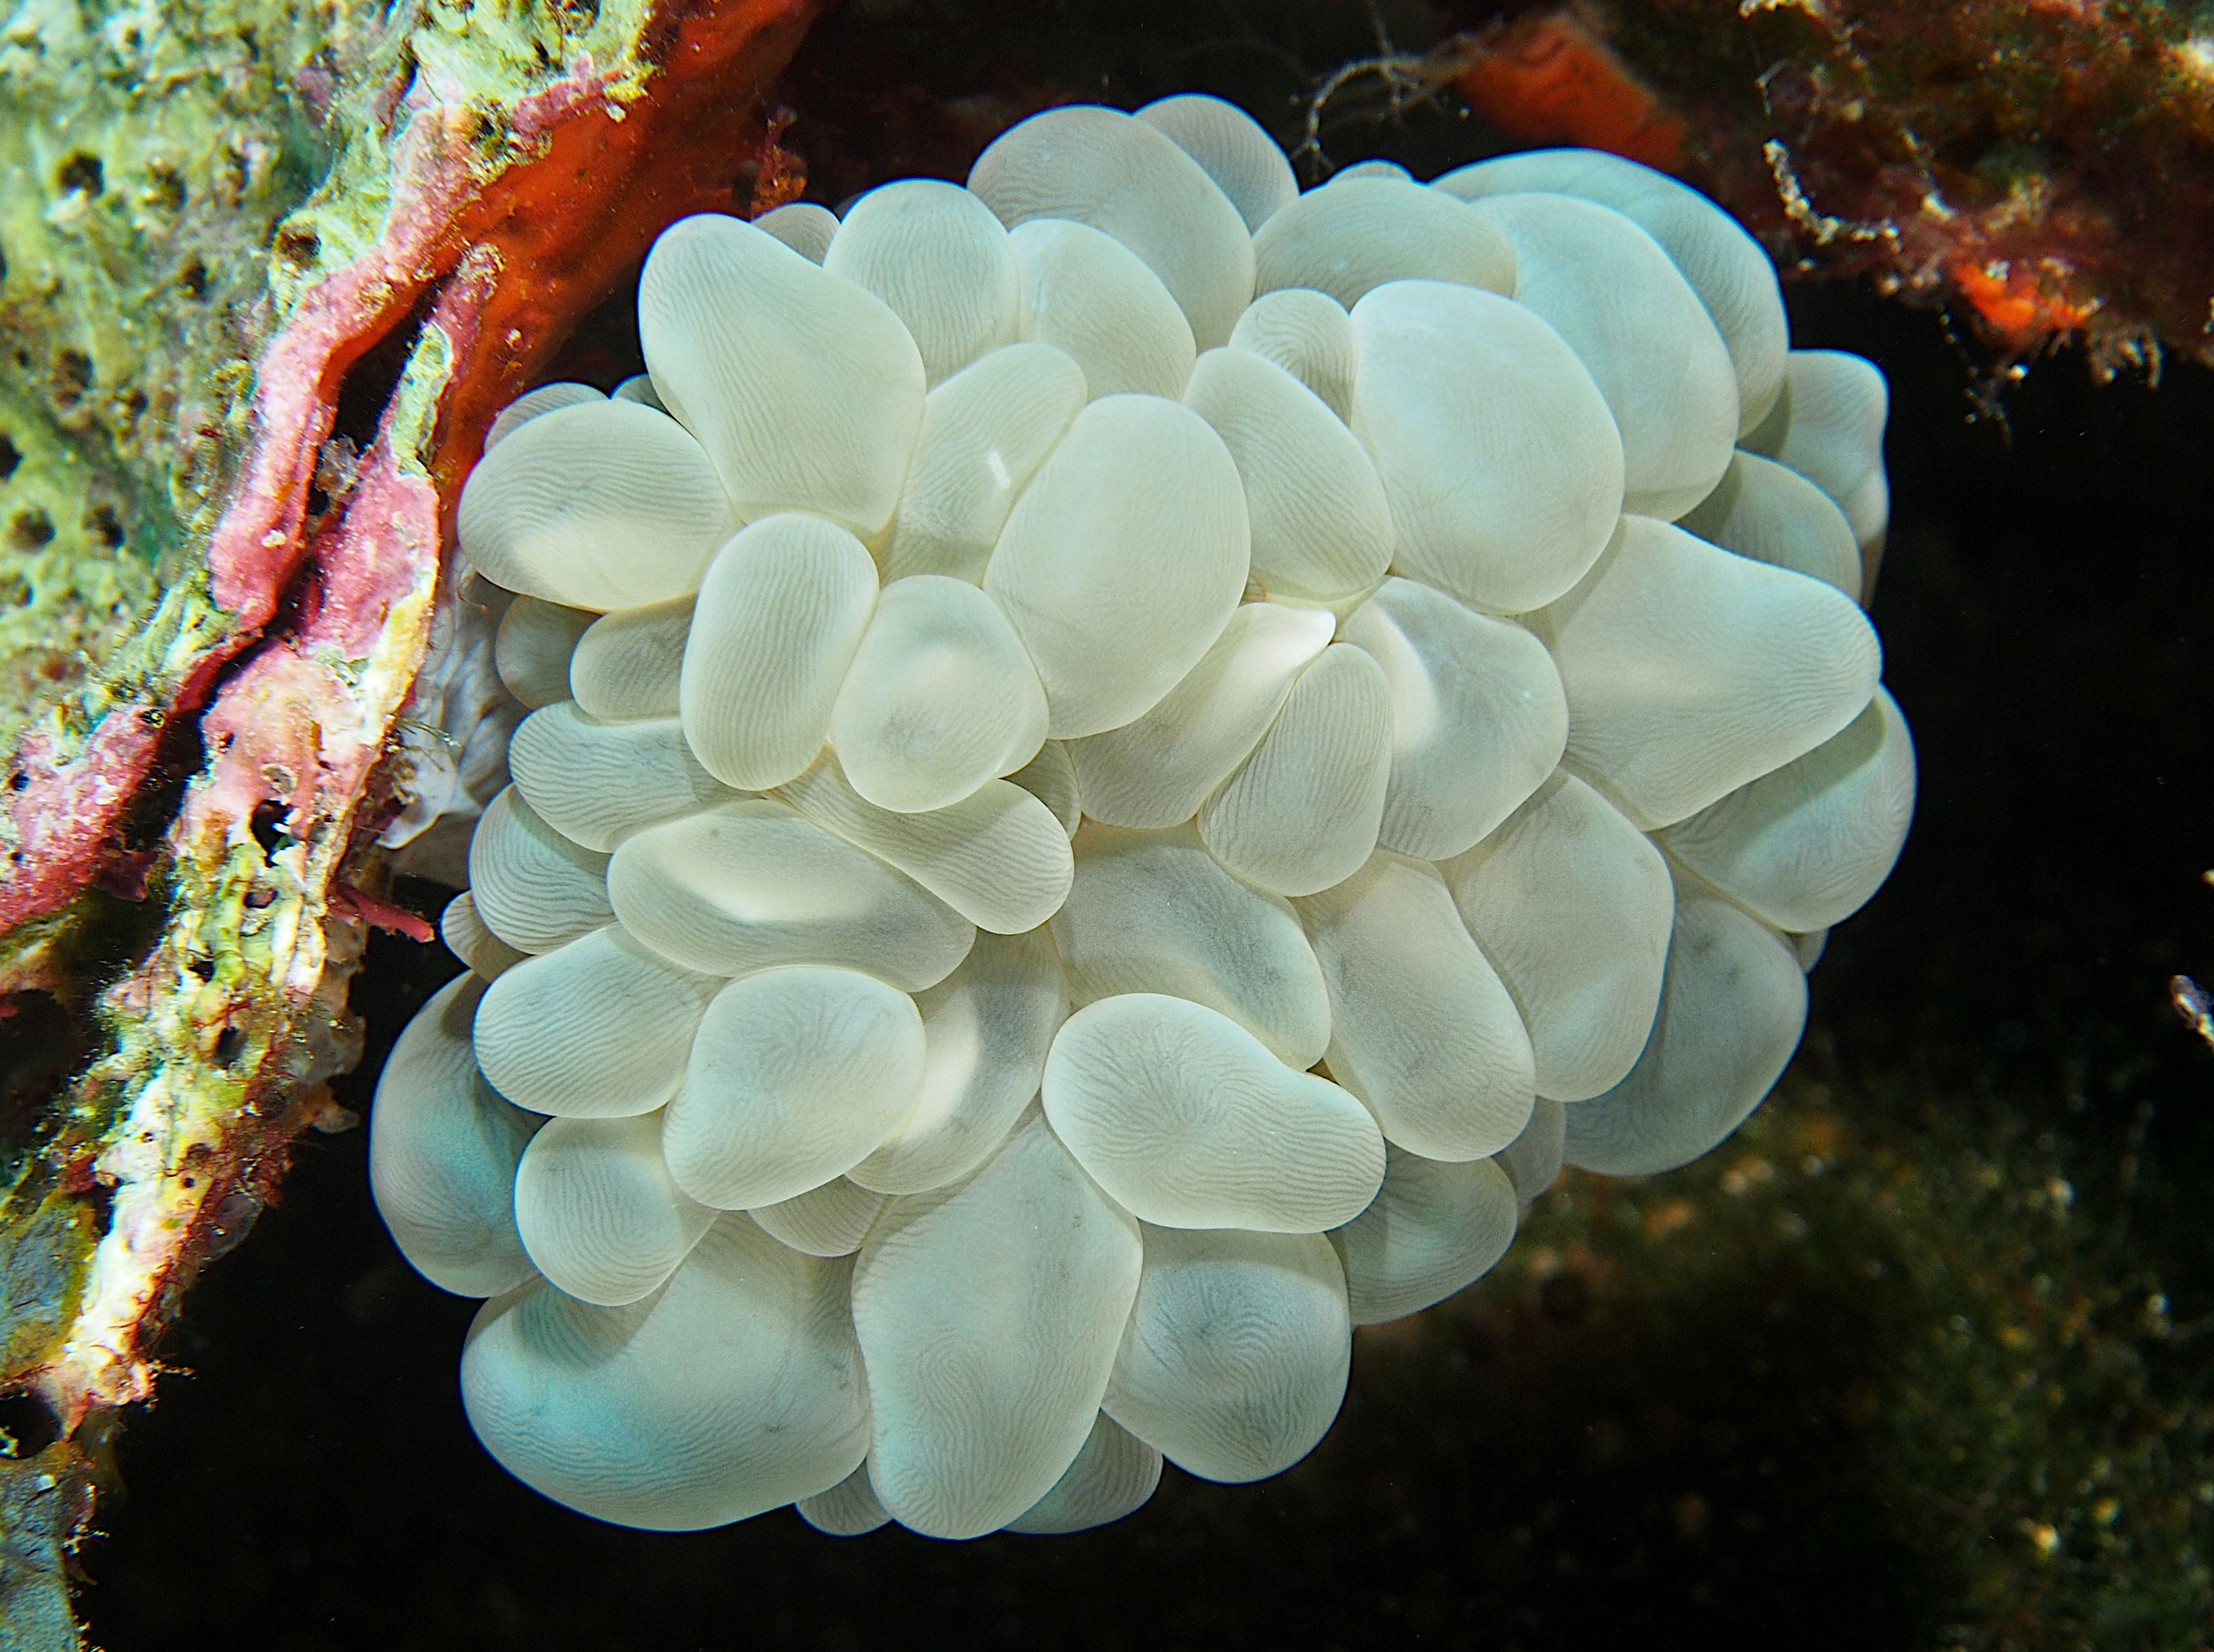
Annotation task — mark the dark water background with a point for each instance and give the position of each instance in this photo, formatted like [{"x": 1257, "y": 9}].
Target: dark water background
[{"x": 306, "y": 1480}]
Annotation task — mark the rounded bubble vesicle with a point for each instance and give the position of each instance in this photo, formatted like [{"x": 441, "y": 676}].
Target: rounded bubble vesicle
[{"x": 1122, "y": 764}]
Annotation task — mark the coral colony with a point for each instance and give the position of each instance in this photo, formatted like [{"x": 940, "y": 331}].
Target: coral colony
[{"x": 1124, "y": 763}]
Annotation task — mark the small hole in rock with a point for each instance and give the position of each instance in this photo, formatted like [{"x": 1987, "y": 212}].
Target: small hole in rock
[
  {"x": 104, "y": 524},
  {"x": 193, "y": 278},
  {"x": 10, "y": 458},
  {"x": 167, "y": 189},
  {"x": 298, "y": 244},
  {"x": 80, "y": 171},
  {"x": 72, "y": 376},
  {"x": 30, "y": 1423},
  {"x": 228, "y": 1043},
  {"x": 30, "y": 530},
  {"x": 268, "y": 826}
]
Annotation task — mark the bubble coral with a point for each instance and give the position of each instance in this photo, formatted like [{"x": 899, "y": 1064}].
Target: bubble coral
[{"x": 1126, "y": 761}]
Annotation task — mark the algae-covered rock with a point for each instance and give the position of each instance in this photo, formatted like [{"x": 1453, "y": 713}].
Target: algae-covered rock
[
  {"x": 265, "y": 271},
  {"x": 146, "y": 158}
]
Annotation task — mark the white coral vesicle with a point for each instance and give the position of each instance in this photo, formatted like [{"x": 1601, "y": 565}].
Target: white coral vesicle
[{"x": 1122, "y": 763}]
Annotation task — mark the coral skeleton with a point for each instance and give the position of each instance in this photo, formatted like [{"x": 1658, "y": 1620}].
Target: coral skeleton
[{"x": 1124, "y": 763}]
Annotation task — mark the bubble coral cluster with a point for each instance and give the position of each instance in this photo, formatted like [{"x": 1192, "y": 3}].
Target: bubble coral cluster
[{"x": 1125, "y": 761}]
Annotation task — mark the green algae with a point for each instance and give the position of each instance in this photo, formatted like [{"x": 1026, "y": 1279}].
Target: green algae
[
  {"x": 491, "y": 56},
  {"x": 41, "y": 1269},
  {"x": 172, "y": 182},
  {"x": 147, "y": 154},
  {"x": 41, "y": 1502}
]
